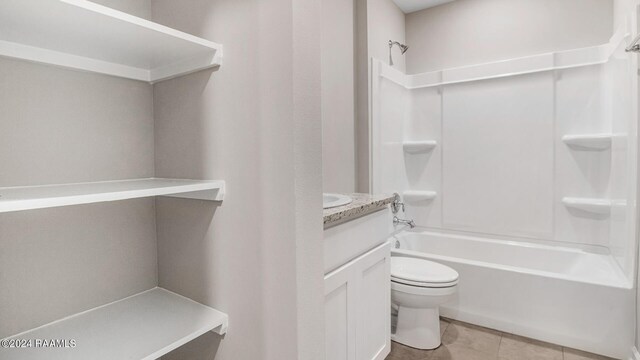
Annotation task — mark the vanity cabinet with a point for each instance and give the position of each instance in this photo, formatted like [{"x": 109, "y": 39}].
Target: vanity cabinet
[
  {"x": 357, "y": 303},
  {"x": 357, "y": 293}
]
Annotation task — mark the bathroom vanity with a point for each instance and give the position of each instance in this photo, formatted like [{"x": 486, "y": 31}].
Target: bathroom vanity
[{"x": 357, "y": 292}]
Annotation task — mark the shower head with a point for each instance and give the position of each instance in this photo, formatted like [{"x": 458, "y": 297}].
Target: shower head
[{"x": 403, "y": 49}]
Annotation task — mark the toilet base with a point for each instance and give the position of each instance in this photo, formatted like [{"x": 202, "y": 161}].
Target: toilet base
[{"x": 418, "y": 328}]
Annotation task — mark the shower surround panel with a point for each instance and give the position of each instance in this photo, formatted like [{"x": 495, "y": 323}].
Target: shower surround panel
[
  {"x": 531, "y": 159},
  {"x": 500, "y": 167}
]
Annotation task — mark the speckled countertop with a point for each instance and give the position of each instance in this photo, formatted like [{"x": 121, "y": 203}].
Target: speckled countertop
[{"x": 361, "y": 205}]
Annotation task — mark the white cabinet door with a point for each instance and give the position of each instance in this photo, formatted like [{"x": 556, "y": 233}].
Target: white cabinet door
[
  {"x": 340, "y": 313},
  {"x": 357, "y": 303},
  {"x": 373, "y": 339}
]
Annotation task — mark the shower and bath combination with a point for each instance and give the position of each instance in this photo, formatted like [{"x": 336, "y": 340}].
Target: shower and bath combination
[{"x": 403, "y": 49}]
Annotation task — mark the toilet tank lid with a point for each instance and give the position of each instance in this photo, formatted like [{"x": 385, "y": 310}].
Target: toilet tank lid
[{"x": 421, "y": 270}]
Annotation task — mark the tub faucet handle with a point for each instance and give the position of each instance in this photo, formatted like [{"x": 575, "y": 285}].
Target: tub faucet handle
[{"x": 396, "y": 205}]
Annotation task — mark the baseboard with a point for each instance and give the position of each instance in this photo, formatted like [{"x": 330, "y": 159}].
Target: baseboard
[{"x": 635, "y": 355}]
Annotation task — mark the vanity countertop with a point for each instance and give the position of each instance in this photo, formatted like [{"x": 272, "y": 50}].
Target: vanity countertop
[{"x": 361, "y": 205}]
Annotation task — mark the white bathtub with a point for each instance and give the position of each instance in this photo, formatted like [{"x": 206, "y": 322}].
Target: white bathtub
[{"x": 556, "y": 294}]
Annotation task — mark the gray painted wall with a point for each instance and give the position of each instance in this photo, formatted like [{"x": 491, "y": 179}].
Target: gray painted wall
[
  {"x": 469, "y": 32},
  {"x": 60, "y": 126},
  {"x": 255, "y": 123},
  {"x": 338, "y": 96}
]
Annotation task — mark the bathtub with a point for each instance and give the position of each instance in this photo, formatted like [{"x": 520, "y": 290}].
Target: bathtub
[{"x": 561, "y": 295}]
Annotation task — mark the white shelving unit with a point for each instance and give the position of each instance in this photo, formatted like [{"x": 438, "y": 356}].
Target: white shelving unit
[
  {"x": 40, "y": 197},
  {"x": 417, "y": 196},
  {"x": 144, "y": 326},
  {"x": 418, "y": 147},
  {"x": 593, "y": 142},
  {"x": 83, "y": 35},
  {"x": 594, "y": 206}
]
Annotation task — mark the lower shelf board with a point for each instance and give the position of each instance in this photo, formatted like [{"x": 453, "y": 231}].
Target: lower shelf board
[
  {"x": 141, "y": 327},
  {"x": 48, "y": 196}
]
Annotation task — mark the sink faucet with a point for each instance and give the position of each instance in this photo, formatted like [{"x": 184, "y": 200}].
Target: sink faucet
[{"x": 397, "y": 220}]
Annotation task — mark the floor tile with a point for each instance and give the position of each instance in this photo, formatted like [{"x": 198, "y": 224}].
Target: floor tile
[
  {"x": 520, "y": 348},
  {"x": 572, "y": 354},
  {"x": 454, "y": 352},
  {"x": 402, "y": 352},
  {"x": 443, "y": 325},
  {"x": 472, "y": 337}
]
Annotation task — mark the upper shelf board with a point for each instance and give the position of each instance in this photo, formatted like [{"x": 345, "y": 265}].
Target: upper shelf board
[
  {"x": 83, "y": 35},
  {"x": 47, "y": 196},
  {"x": 141, "y": 327}
]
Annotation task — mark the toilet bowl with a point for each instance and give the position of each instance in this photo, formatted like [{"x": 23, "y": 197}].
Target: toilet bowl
[{"x": 418, "y": 288}]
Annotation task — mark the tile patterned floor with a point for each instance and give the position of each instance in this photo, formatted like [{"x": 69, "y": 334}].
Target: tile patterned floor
[{"x": 462, "y": 341}]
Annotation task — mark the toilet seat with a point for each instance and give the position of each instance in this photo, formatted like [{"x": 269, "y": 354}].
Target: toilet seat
[
  {"x": 423, "y": 290},
  {"x": 422, "y": 273},
  {"x": 424, "y": 284}
]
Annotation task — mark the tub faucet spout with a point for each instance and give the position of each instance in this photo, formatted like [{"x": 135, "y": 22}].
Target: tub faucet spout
[{"x": 397, "y": 220}]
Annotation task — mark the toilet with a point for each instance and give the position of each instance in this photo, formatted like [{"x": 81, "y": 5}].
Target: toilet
[{"x": 418, "y": 288}]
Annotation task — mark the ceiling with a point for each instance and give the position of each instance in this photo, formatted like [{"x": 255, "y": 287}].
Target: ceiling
[{"x": 409, "y": 6}]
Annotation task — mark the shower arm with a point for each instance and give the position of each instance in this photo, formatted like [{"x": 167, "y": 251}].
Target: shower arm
[
  {"x": 403, "y": 49},
  {"x": 391, "y": 43}
]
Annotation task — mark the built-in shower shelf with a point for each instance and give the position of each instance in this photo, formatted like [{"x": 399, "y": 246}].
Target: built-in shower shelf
[
  {"x": 595, "y": 206},
  {"x": 141, "y": 327},
  {"x": 418, "y": 196},
  {"x": 83, "y": 35},
  {"x": 47, "y": 196},
  {"x": 588, "y": 141},
  {"x": 417, "y": 147}
]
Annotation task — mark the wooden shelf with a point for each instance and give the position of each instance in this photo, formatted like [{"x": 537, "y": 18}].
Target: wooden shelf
[
  {"x": 141, "y": 327},
  {"x": 47, "y": 196},
  {"x": 80, "y": 34},
  {"x": 417, "y": 147},
  {"x": 588, "y": 141}
]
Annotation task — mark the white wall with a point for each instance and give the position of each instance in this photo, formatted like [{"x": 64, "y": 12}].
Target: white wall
[
  {"x": 338, "y": 96},
  {"x": 621, "y": 10},
  {"x": 256, "y": 123},
  {"x": 467, "y": 32},
  {"x": 378, "y": 21},
  {"x": 141, "y": 8},
  {"x": 386, "y": 22}
]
